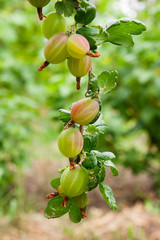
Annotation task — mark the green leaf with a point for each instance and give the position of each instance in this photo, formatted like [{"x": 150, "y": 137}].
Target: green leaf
[
  {"x": 54, "y": 208},
  {"x": 112, "y": 166},
  {"x": 103, "y": 155},
  {"x": 101, "y": 174},
  {"x": 101, "y": 125},
  {"x": 107, "y": 194},
  {"x": 75, "y": 214},
  {"x": 95, "y": 35},
  {"x": 107, "y": 80},
  {"x": 94, "y": 84},
  {"x": 62, "y": 170},
  {"x": 120, "y": 31},
  {"x": 90, "y": 161},
  {"x": 85, "y": 15},
  {"x": 55, "y": 183},
  {"x": 65, "y": 116},
  {"x": 66, "y": 7},
  {"x": 90, "y": 142},
  {"x": 93, "y": 183}
]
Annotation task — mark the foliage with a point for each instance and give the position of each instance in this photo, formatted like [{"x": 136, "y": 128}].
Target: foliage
[
  {"x": 132, "y": 114},
  {"x": 94, "y": 161}
]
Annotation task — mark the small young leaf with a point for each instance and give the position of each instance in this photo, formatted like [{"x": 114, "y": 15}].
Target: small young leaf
[
  {"x": 101, "y": 174},
  {"x": 94, "y": 84},
  {"x": 90, "y": 161},
  {"x": 64, "y": 115},
  {"x": 120, "y": 31},
  {"x": 107, "y": 194},
  {"x": 107, "y": 80},
  {"x": 54, "y": 208},
  {"x": 55, "y": 183},
  {"x": 66, "y": 7},
  {"x": 112, "y": 166},
  {"x": 95, "y": 35},
  {"x": 90, "y": 142},
  {"x": 85, "y": 15},
  {"x": 93, "y": 183},
  {"x": 101, "y": 125},
  {"x": 104, "y": 155},
  {"x": 61, "y": 170},
  {"x": 75, "y": 214}
]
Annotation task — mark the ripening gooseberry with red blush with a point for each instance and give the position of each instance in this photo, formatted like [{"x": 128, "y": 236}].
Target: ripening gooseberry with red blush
[
  {"x": 55, "y": 50},
  {"x": 84, "y": 111},
  {"x": 77, "y": 46}
]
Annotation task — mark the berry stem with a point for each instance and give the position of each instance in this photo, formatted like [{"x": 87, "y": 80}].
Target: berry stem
[
  {"x": 65, "y": 201},
  {"x": 78, "y": 80},
  {"x": 96, "y": 54},
  {"x": 72, "y": 164},
  {"x": 51, "y": 195},
  {"x": 69, "y": 124},
  {"x": 44, "y": 65},
  {"x": 83, "y": 213},
  {"x": 40, "y": 14}
]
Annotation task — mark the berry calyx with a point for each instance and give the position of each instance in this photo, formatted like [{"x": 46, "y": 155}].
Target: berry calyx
[
  {"x": 74, "y": 182},
  {"x": 54, "y": 23},
  {"x": 77, "y": 46},
  {"x": 84, "y": 111},
  {"x": 81, "y": 200},
  {"x": 70, "y": 142}
]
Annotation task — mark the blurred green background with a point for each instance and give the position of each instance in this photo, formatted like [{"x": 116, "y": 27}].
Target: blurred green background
[{"x": 29, "y": 102}]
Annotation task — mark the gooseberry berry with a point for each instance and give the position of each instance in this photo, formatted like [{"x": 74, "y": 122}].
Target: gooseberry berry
[
  {"x": 54, "y": 23},
  {"x": 79, "y": 67},
  {"x": 81, "y": 200},
  {"x": 77, "y": 46},
  {"x": 60, "y": 192},
  {"x": 55, "y": 50},
  {"x": 70, "y": 142},
  {"x": 84, "y": 111},
  {"x": 74, "y": 182}
]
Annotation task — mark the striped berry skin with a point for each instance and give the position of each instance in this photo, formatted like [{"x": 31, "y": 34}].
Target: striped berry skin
[
  {"x": 79, "y": 67},
  {"x": 39, "y": 3},
  {"x": 70, "y": 142},
  {"x": 55, "y": 50},
  {"x": 84, "y": 111},
  {"x": 54, "y": 23},
  {"x": 81, "y": 200},
  {"x": 60, "y": 192},
  {"x": 77, "y": 46},
  {"x": 74, "y": 182}
]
